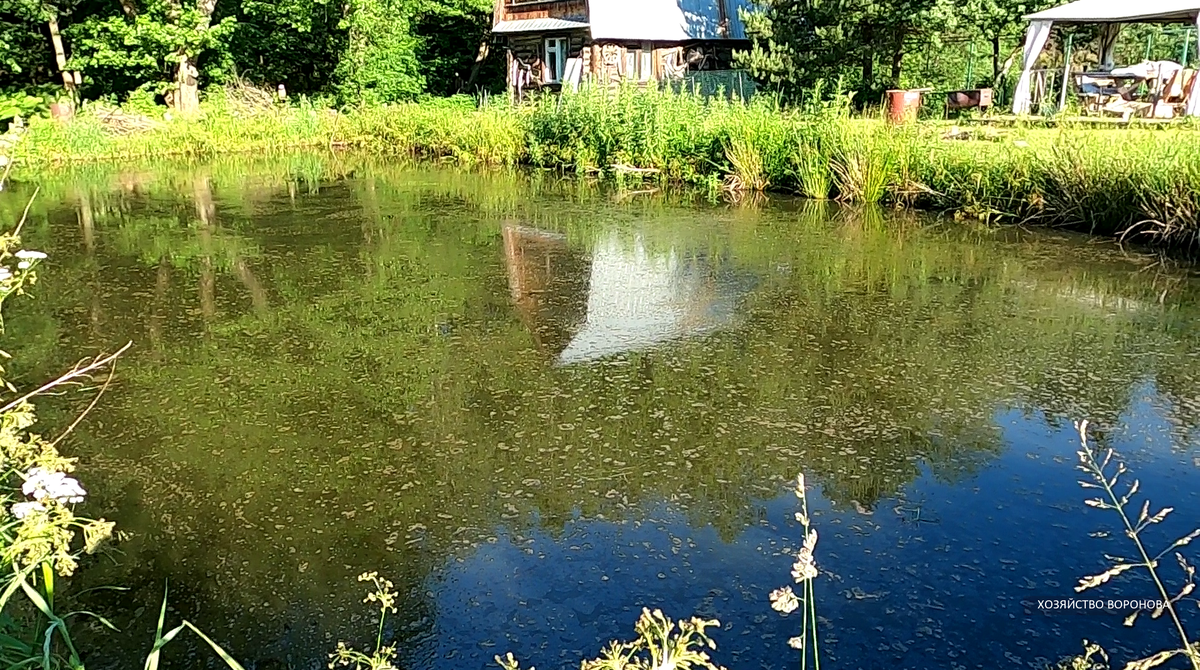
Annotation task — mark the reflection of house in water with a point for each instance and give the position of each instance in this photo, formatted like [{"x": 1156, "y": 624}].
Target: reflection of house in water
[
  {"x": 626, "y": 298},
  {"x": 548, "y": 281}
]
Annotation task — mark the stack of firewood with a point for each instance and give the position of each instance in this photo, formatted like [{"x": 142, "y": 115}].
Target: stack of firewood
[
  {"x": 119, "y": 122},
  {"x": 250, "y": 99}
]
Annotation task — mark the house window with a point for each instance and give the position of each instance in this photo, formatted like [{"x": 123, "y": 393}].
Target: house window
[
  {"x": 645, "y": 62},
  {"x": 555, "y": 59}
]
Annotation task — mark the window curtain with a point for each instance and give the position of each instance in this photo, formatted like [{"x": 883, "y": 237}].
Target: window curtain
[{"x": 1035, "y": 41}]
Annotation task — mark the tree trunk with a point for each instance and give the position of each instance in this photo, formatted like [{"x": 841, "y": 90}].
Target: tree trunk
[
  {"x": 480, "y": 57},
  {"x": 186, "y": 98},
  {"x": 995, "y": 58},
  {"x": 868, "y": 58},
  {"x": 60, "y": 58},
  {"x": 897, "y": 58}
]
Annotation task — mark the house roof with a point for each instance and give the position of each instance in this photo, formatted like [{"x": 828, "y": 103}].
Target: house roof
[
  {"x": 639, "y": 298},
  {"x": 538, "y": 25},
  {"x": 665, "y": 20},
  {"x": 1120, "y": 11}
]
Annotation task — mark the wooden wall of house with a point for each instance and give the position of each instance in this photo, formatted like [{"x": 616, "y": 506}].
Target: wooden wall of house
[
  {"x": 610, "y": 63},
  {"x": 613, "y": 62},
  {"x": 507, "y": 10}
]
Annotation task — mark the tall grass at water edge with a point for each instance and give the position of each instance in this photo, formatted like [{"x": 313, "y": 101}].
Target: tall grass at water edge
[{"x": 1133, "y": 182}]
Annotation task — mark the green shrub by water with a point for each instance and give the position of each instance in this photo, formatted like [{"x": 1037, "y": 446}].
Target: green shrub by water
[{"x": 1139, "y": 182}]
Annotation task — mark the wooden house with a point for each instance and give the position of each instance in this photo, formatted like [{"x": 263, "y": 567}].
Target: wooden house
[{"x": 556, "y": 43}]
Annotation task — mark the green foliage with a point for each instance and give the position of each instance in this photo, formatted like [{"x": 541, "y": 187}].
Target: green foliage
[
  {"x": 382, "y": 658},
  {"x": 795, "y": 43},
  {"x": 162, "y": 639},
  {"x": 120, "y": 53},
  {"x": 380, "y": 62},
  {"x": 449, "y": 34},
  {"x": 661, "y": 643},
  {"x": 1139, "y": 183},
  {"x": 366, "y": 51},
  {"x": 40, "y": 535},
  {"x": 20, "y": 43},
  {"x": 293, "y": 42},
  {"x": 20, "y": 103}
]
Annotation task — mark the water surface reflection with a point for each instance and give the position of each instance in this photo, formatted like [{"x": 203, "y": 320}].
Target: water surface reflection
[{"x": 540, "y": 406}]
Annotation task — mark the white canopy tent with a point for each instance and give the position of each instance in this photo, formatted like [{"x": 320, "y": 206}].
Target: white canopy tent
[{"x": 1111, "y": 14}]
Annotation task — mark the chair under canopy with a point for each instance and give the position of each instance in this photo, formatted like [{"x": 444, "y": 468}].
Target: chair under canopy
[{"x": 1110, "y": 15}]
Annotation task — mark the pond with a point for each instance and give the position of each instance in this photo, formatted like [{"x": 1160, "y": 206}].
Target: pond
[{"x": 539, "y": 405}]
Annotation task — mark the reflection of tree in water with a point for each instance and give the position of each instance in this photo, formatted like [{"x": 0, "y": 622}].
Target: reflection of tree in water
[
  {"x": 342, "y": 427},
  {"x": 197, "y": 246}
]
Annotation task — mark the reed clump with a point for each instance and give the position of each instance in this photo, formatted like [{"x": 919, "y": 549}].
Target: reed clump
[{"x": 1137, "y": 183}]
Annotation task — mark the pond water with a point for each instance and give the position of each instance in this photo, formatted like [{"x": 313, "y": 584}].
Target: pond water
[{"x": 538, "y": 405}]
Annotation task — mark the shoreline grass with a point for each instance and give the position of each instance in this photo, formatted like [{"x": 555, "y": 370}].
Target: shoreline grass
[{"x": 1135, "y": 183}]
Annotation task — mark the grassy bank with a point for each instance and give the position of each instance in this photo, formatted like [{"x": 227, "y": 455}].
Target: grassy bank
[{"x": 1136, "y": 182}]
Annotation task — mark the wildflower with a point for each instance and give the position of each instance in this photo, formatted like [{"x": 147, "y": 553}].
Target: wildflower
[
  {"x": 784, "y": 600},
  {"x": 24, "y": 509},
  {"x": 805, "y": 567},
  {"x": 796, "y": 642},
  {"x": 23, "y": 265},
  {"x": 5, "y": 274},
  {"x": 41, "y": 484},
  {"x": 383, "y": 594},
  {"x": 96, "y": 533},
  {"x": 27, "y": 255}
]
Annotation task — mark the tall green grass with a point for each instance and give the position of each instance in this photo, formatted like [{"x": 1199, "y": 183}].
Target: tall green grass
[{"x": 1134, "y": 182}]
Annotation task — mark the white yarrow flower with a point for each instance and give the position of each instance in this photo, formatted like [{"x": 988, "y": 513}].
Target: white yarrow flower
[
  {"x": 27, "y": 255},
  {"x": 784, "y": 600},
  {"x": 796, "y": 642},
  {"x": 805, "y": 567},
  {"x": 23, "y": 265},
  {"x": 41, "y": 484},
  {"x": 24, "y": 509}
]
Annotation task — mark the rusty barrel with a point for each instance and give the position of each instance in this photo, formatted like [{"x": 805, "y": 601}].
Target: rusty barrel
[{"x": 903, "y": 104}]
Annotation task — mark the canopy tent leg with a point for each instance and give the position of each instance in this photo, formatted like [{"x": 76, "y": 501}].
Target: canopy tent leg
[
  {"x": 1193, "y": 96},
  {"x": 1035, "y": 41}
]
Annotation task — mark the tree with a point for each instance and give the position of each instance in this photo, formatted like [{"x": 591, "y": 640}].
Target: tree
[
  {"x": 18, "y": 35},
  {"x": 454, "y": 45},
  {"x": 156, "y": 41},
  {"x": 186, "y": 98},
  {"x": 380, "y": 62},
  {"x": 292, "y": 42},
  {"x": 995, "y": 19},
  {"x": 795, "y": 43},
  {"x": 372, "y": 51}
]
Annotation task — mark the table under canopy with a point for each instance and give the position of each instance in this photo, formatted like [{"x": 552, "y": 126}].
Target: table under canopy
[{"x": 1110, "y": 14}]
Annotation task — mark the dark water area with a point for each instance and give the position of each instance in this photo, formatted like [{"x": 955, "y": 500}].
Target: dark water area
[{"x": 540, "y": 405}]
